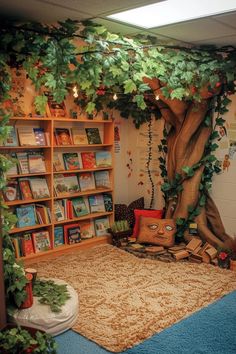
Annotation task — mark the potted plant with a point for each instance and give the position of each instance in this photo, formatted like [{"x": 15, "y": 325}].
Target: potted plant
[
  {"x": 22, "y": 340},
  {"x": 120, "y": 230},
  {"x": 232, "y": 253}
]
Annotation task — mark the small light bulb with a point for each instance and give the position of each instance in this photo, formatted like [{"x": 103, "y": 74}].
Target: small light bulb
[
  {"x": 157, "y": 97},
  {"x": 75, "y": 90},
  {"x": 115, "y": 97}
]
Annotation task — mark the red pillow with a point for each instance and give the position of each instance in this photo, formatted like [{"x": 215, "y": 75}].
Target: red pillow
[{"x": 148, "y": 213}]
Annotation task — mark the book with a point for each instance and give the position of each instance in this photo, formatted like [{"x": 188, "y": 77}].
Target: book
[
  {"x": 93, "y": 136},
  {"x": 58, "y": 210},
  {"x": 101, "y": 226},
  {"x": 11, "y": 191},
  {"x": 71, "y": 183},
  {"x": 41, "y": 241},
  {"x": 39, "y": 136},
  {"x": 79, "y": 135},
  {"x": 43, "y": 214},
  {"x": 103, "y": 158},
  {"x": 26, "y": 216},
  {"x": 60, "y": 187},
  {"x": 58, "y": 162},
  {"x": 107, "y": 197},
  {"x": 71, "y": 160},
  {"x": 79, "y": 206},
  {"x": 88, "y": 160},
  {"x": 39, "y": 187},
  {"x": 36, "y": 163},
  {"x": 63, "y": 136},
  {"x": 86, "y": 229},
  {"x": 96, "y": 203},
  {"x": 15, "y": 243},
  {"x": 25, "y": 189},
  {"x": 14, "y": 169},
  {"x": 58, "y": 236},
  {"x": 72, "y": 233},
  {"x": 22, "y": 158},
  {"x": 102, "y": 179},
  {"x": 11, "y": 139},
  {"x": 55, "y": 109},
  {"x": 26, "y": 136},
  {"x": 27, "y": 244},
  {"x": 86, "y": 181}
]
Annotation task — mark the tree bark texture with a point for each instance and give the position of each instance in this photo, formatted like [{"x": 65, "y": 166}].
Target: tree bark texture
[{"x": 186, "y": 143}]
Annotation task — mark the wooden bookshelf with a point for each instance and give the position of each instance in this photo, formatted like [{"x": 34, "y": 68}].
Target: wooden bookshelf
[{"x": 48, "y": 124}]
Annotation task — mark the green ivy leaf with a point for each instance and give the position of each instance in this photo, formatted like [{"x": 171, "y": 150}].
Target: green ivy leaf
[
  {"x": 189, "y": 171},
  {"x": 129, "y": 86},
  {"x": 90, "y": 107},
  {"x": 40, "y": 103}
]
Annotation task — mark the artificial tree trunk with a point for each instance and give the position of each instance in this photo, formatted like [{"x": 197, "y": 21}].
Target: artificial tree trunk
[{"x": 186, "y": 143}]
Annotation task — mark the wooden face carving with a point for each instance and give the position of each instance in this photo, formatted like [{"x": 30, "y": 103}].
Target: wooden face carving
[{"x": 157, "y": 231}]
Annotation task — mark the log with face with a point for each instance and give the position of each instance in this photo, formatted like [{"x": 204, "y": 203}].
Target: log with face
[{"x": 157, "y": 231}]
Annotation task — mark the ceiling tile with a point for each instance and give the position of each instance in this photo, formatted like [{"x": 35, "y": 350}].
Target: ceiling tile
[
  {"x": 228, "y": 19},
  {"x": 195, "y": 30},
  {"x": 220, "y": 42}
]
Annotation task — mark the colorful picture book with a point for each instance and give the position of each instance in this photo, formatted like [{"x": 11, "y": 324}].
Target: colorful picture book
[
  {"x": 12, "y": 139},
  {"x": 39, "y": 187},
  {"x": 72, "y": 233},
  {"x": 88, "y": 160},
  {"x": 107, "y": 197},
  {"x": 22, "y": 158},
  {"x": 86, "y": 229},
  {"x": 96, "y": 203},
  {"x": 102, "y": 179},
  {"x": 63, "y": 136},
  {"x": 66, "y": 184},
  {"x": 86, "y": 181},
  {"x": 59, "y": 213},
  {"x": 27, "y": 244},
  {"x": 101, "y": 226},
  {"x": 26, "y": 136},
  {"x": 36, "y": 162},
  {"x": 41, "y": 241},
  {"x": 55, "y": 109},
  {"x": 103, "y": 158},
  {"x": 11, "y": 192},
  {"x": 26, "y": 216},
  {"x": 80, "y": 207},
  {"x": 58, "y": 236},
  {"x": 24, "y": 184},
  {"x": 39, "y": 136},
  {"x": 71, "y": 161},
  {"x": 79, "y": 135},
  {"x": 93, "y": 136},
  {"x": 58, "y": 162}
]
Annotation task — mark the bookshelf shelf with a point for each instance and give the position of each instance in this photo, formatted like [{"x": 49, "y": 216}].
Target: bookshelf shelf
[
  {"x": 29, "y": 201},
  {"x": 49, "y": 126},
  {"x": 85, "y": 217},
  {"x": 83, "y": 170},
  {"x": 28, "y": 228},
  {"x": 81, "y": 194}
]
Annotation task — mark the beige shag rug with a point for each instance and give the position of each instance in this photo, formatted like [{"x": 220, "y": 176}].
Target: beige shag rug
[{"x": 124, "y": 299}]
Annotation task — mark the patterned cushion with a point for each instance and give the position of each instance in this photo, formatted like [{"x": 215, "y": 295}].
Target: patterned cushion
[
  {"x": 124, "y": 212},
  {"x": 148, "y": 213}
]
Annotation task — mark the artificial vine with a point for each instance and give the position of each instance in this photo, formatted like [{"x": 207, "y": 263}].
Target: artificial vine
[
  {"x": 51, "y": 294},
  {"x": 150, "y": 142}
]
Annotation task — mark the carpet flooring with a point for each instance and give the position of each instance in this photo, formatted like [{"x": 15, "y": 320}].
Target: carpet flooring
[
  {"x": 125, "y": 299},
  {"x": 211, "y": 330}
]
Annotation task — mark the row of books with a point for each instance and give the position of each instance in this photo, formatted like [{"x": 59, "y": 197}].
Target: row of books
[
  {"x": 26, "y": 162},
  {"x": 32, "y": 214},
  {"x": 77, "y": 136},
  {"x": 26, "y": 189},
  {"x": 26, "y": 136},
  {"x": 31, "y": 242},
  {"x": 70, "y": 183},
  {"x": 65, "y": 209},
  {"x": 39, "y": 241},
  {"x": 78, "y": 160}
]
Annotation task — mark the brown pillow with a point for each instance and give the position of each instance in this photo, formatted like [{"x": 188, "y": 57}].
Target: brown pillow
[{"x": 157, "y": 231}]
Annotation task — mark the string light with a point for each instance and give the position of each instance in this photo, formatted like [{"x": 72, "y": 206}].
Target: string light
[
  {"x": 157, "y": 97},
  {"x": 115, "y": 97},
  {"x": 75, "y": 91}
]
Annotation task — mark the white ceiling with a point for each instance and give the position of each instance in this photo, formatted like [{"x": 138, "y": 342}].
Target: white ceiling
[{"x": 219, "y": 30}]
